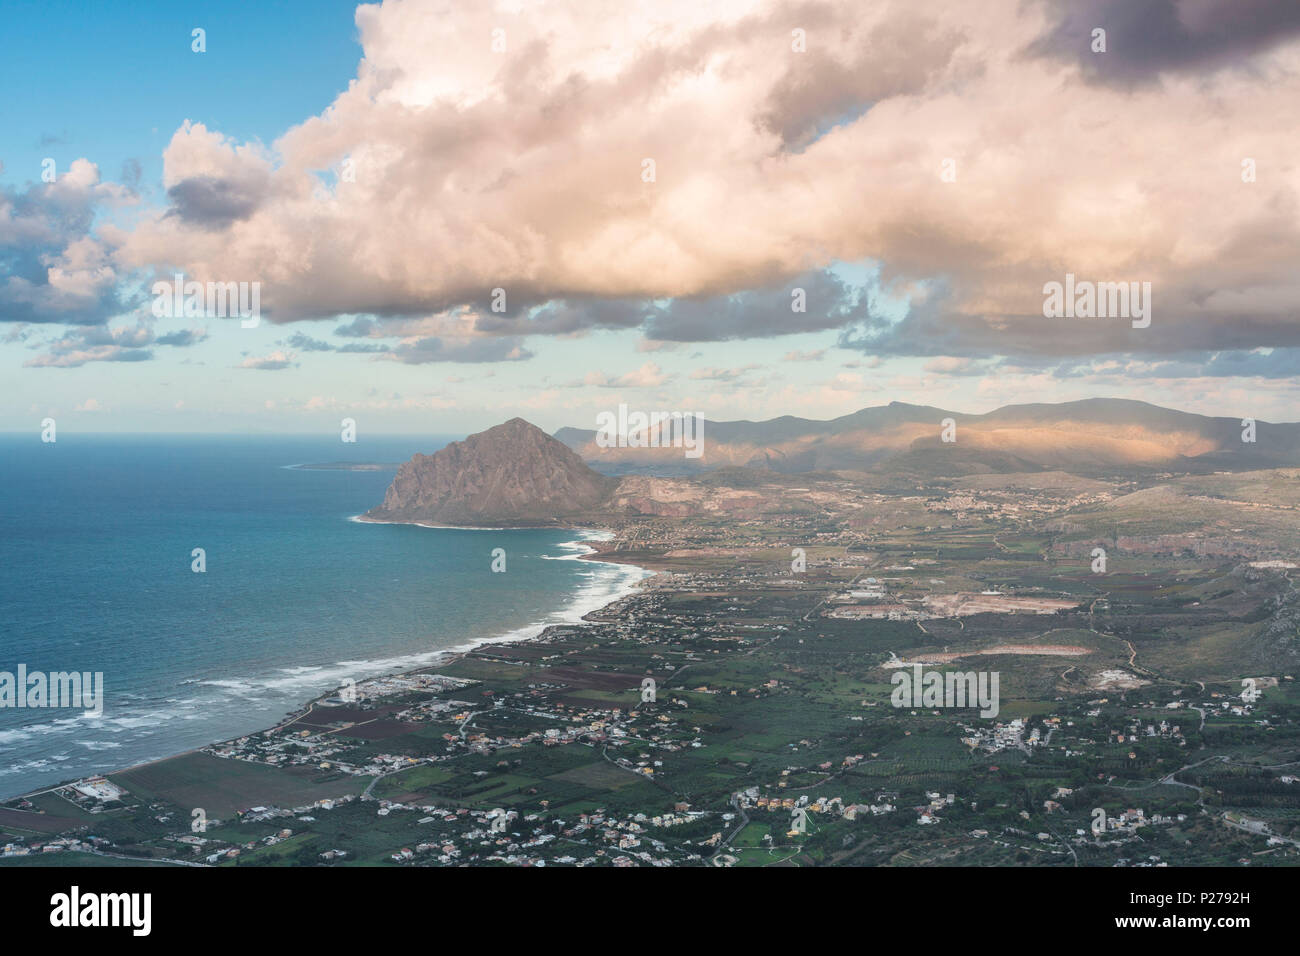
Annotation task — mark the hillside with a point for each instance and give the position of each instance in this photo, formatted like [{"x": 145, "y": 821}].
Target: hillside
[
  {"x": 511, "y": 474},
  {"x": 1091, "y": 437}
]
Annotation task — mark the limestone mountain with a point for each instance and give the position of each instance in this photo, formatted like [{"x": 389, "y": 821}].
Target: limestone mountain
[{"x": 513, "y": 474}]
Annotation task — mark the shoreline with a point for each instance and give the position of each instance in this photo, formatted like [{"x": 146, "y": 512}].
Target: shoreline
[
  {"x": 362, "y": 519},
  {"x": 441, "y": 658}
]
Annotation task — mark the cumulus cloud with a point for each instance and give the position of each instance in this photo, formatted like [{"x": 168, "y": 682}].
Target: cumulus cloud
[
  {"x": 436, "y": 178},
  {"x": 182, "y": 338},
  {"x": 276, "y": 361},
  {"x": 211, "y": 181},
  {"x": 52, "y": 269},
  {"x": 78, "y": 346},
  {"x": 92, "y": 343}
]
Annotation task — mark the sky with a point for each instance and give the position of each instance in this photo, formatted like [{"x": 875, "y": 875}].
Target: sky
[{"x": 456, "y": 213}]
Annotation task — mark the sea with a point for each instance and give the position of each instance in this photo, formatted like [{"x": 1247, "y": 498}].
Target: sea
[{"x": 97, "y": 542}]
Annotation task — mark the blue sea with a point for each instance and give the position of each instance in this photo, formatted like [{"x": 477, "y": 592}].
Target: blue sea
[{"x": 96, "y": 537}]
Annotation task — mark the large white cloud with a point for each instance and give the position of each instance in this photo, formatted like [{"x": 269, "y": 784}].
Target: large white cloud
[{"x": 522, "y": 170}]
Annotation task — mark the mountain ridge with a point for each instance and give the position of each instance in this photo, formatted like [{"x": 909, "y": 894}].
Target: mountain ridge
[
  {"x": 515, "y": 475},
  {"x": 1089, "y": 435}
]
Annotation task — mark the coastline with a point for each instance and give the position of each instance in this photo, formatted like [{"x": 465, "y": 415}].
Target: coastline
[
  {"x": 573, "y": 613},
  {"x": 362, "y": 519}
]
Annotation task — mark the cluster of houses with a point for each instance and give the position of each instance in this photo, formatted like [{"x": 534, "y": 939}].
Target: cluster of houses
[
  {"x": 231, "y": 852},
  {"x": 752, "y": 799},
  {"x": 58, "y": 845},
  {"x": 1128, "y": 822},
  {"x": 1001, "y": 736},
  {"x": 520, "y": 841},
  {"x": 399, "y": 684}
]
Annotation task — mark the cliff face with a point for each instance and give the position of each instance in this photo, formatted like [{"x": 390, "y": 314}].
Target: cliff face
[{"x": 511, "y": 474}]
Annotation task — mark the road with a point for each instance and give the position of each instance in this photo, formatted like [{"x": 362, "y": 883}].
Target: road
[{"x": 744, "y": 821}]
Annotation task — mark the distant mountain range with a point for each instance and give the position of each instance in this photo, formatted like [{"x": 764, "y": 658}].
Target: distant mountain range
[
  {"x": 1094, "y": 436},
  {"x": 514, "y": 474}
]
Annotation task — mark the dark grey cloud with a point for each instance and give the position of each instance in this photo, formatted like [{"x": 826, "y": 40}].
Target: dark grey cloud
[
  {"x": 306, "y": 343},
  {"x": 497, "y": 347},
  {"x": 361, "y": 327},
  {"x": 213, "y": 203},
  {"x": 1278, "y": 363},
  {"x": 1243, "y": 363},
  {"x": 1185, "y": 318},
  {"x": 564, "y": 316},
  {"x": 94, "y": 343},
  {"x": 831, "y": 304},
  {"x": 819, "y": 91},
  {"x": 435, "y": 349},
  {"x": 182, "y": 338},
  {"x": 1239, "y": 363},
  {"x": 99, "y": 343},
  {"x": 1145, "y": 38}
]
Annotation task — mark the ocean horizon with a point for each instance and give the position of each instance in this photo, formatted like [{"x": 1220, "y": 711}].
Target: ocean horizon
[{"x": 97, "y": 534}]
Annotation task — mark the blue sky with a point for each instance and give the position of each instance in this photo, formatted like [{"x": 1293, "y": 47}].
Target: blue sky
[
  {"x": 112, "y": 81},
  {"x": 520, "y": 168}
]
